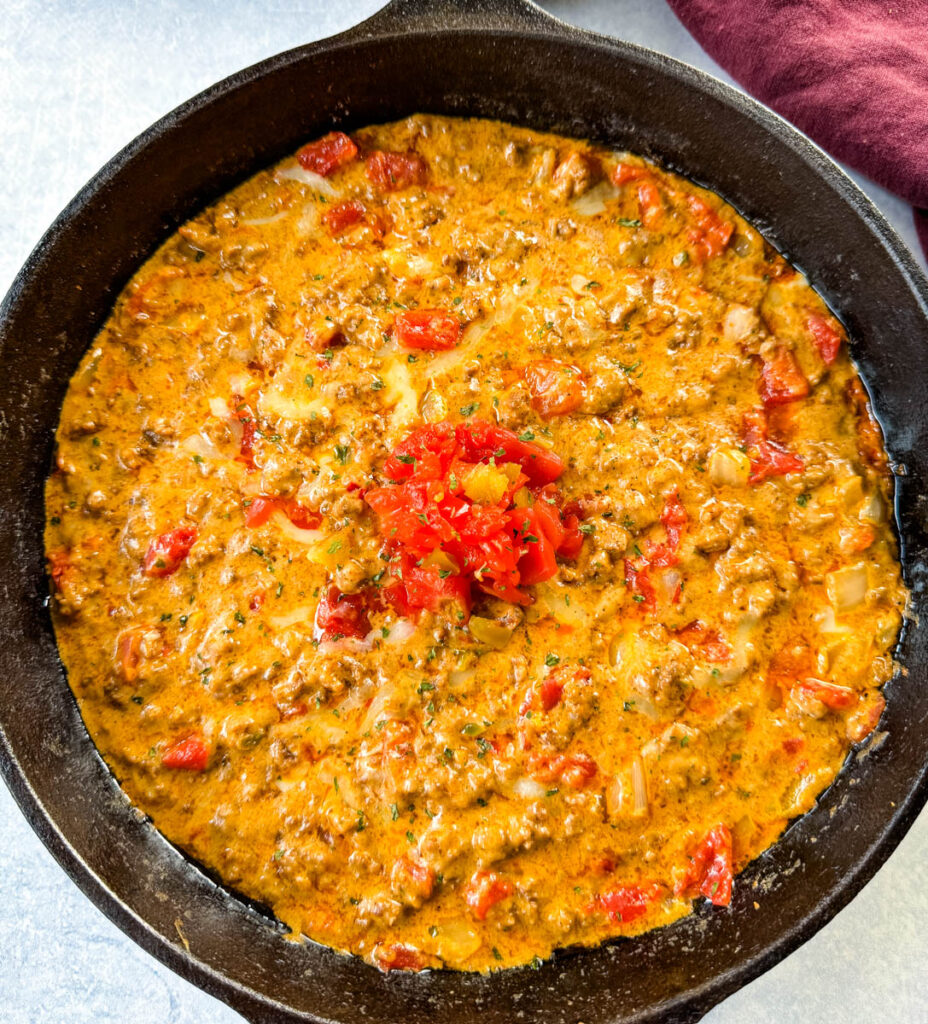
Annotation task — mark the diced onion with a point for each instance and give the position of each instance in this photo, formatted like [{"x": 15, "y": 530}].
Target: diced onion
[
  {"x": 296, "y": 172},
  {"x": 200, "y": 444},
  {"x": 639, "y": 788},
  {"x": 847, "y": 587},
  {"x": 461, "y": 677},
  {"x": 219, "y": 408},
  {"x": 399, "y": 633},
  {"x": 302, "y": 613},
  {"x": 528, "y": 789},
  {"x": 594, "y": 201},
  {"x": 729, "y": 466},
  {"x": 256, "y": 222},
  {"x": 456, "y": 941}
]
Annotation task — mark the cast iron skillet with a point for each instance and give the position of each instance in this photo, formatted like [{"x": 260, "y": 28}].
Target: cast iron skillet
[{"x": 497, "y": 58}]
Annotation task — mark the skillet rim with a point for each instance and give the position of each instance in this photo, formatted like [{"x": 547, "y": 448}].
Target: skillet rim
[{"x": 401, "y": 18}]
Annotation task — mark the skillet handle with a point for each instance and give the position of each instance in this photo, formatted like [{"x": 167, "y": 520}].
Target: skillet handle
[{"x": 423, "y": 15}]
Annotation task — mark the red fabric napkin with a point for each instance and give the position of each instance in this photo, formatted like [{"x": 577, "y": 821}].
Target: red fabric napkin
[{"x": 852, "y": 74}]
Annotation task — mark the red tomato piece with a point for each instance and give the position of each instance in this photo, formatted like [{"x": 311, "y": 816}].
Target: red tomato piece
[
  {"x": 674, "y": 520},
  {"x": 629, "y": 902},
  {"x": 484, "y": 890},
  {"x": 623, "y": 173},
  {"x": 482, "y": 441},
  {"x": 782, "y": 380},
  {"x": 415, "y": 876},
  {"x": 772, "y": 459},
  {"x": 300, "y": 515},
  {"x": 710, "y": 871},
  {"x": 431, "y": 329},
  {"x": 259, "y": 511},
  {"x": 833, "y": 696},
  {"x": 342, "y": 216},
  {"x": 708, "y": 641},
  {"x": 549, "y": 519},
  {"x": 397, "y": 957},
  {"x": 550, "y": 691},
  {"x": 713, "y": 233},
  {"x": 556, "y": 388},
  {"x": 537, "y": 562},
  {"x": 189, "y": 755},
  {"x": 395, "y": 171},
  {"x": 824, "y": 337},
  {"x": 425, "y": 588},
  {"x": 341, "y": 615},
  {"x": 574, "y": 770},
  {"x": 166, "y": 553},
  {"x": 326, "y": 155},
  {"x": 639, "y": 582},
  {"x": 650, "y": 204}
]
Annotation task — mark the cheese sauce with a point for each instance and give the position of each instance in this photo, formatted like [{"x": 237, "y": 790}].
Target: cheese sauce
[{"x": 472, "y": 542}]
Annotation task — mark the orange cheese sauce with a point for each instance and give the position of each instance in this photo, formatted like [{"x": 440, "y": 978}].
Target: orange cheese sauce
[{"x": 642, "y": 610}]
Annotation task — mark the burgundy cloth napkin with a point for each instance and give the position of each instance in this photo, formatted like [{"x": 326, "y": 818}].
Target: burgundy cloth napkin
[{"x": 852, "y": 74}]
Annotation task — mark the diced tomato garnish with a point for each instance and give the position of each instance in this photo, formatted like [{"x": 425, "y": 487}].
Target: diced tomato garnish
[
  {"x": 189, "y": 755},
  {"x": 549, "y": 520},
  {"x": 650, "y": 204},
  {"x": 484, "y": 890},
  {"x": 824, "y": 337},
  {"x": 710, "y": 869},
  {"x": 537, "y": 562},
  {"x": 782, "y": 380},
  {"x": 326, "y": 155},
  {"x": 482, "y": 441},
  {"x": 259, "y": 511},
  {"x": 833, "y": 696},
  {"x": 341, "y": 615},
  {"x": 395, "y": 171},
  {"x": 550, "y": 690},
  {"x": 712, "y": 232},
  {"x": 556, "y": 388},
  {"x": 629, "y": 902},
  {"x": 166, "y": 553},
  {"x": 432, "y": 329},
  {"x": 342, "y": 216},
  {"x": 624, "y": 173}
]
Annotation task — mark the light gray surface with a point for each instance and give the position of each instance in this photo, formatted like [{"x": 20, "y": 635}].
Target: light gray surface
[{"x": 77, "y": 81}]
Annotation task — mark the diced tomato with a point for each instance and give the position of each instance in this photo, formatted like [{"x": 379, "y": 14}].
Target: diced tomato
[
  {"x": 713, "y": 232},
  {"x": 623, "y": 173},
  {"x": 708, "y": 641},
  {"x": 768, "y": 458},
  {"x": 342, "y": 216},
  {"x": 639, "y": 582},
  {"x": 629, "y": 902},
  {"x": 710, "y": 870},
  {"x": 395, "y": 171},
  {"x": 414, "y": 876},
  {"x": 166, "y": 553},
  {"x": 574, "y": 770},
  {"x": 256, "y": 601},
  {"x": 650, "y": 204},
  {"x": 341, "y": 615},
  {"x": 59, "y": 567},
  {"x": 397, "y": 957},
  {"x": 537, "y": 562},
  {"x": 189, "y": 755},
  {"x": 824, "y": 337},
  {"x": 674, "y": 520},
  {"x": 865, "y": 718},
  {"x": 424, "y": 587},
  {"x": 573, "y": 538},
  {"x": 550, "y": 691},
  {"x": 326, "y": 155},
  {"x": 259, "y": 511},
  {"x": 782, "y": 380},
  {"x": 772, "y": 459},
  {"x": 482, "y": 441},
  {"x": 833, "y": 696},
  {"x": 549, "y": 520},
  {"x": 484, "y": 890},
  {"x": 793, "y": 744},
  {"x": 432, "y": 329},
  {"x": 556, "y": 388}
]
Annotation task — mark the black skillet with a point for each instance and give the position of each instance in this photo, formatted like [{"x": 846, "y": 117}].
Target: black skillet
[{"x": 496, "y": 58}]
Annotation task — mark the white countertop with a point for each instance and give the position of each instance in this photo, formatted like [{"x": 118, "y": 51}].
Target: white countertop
[{"x": 79, "y": 79}]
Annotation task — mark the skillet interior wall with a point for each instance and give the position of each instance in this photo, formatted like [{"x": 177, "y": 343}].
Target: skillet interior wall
[{"x": 570, "y": 89}]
